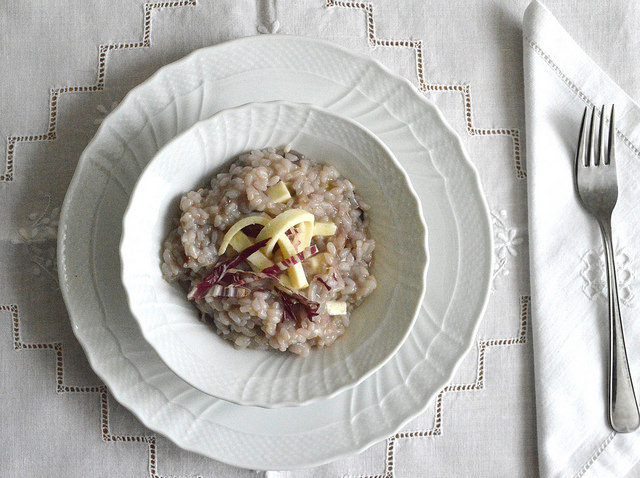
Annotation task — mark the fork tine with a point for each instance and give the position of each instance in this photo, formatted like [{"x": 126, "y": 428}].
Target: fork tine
[
  {"x": 600, "y": 159},
  {"x": 591, "y": 154},
  {"x": 581, "y": 153},
  {"x": 611, "y": 156}
]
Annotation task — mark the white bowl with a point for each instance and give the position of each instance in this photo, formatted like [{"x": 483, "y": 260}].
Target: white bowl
[{"x": 270, "y": 379}]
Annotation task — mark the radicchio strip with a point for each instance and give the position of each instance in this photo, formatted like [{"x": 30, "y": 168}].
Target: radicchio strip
[
  {"x": 218, "y": 272},
  {"x": 323, "y": 282},
  {"x": 292, "y": 234},
  {"x": 291, "y": 261},
  {"x": 230, "y": 291},
  {"x": 250, "y": 276},
  {"x": 238, "y": 278},
  {"x": 293, "y": 310},
  {"x": 288, "y": 311}
]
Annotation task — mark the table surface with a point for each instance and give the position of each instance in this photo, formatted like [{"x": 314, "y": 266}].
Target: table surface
[{"x": 66, "y": 64}]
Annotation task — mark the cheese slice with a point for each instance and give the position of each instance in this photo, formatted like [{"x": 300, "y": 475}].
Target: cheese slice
[
  {"x": 261, "y": 219},
  {"x": 279, "y": 225},
  {"x": 240, "y": 242},
  {"x": 296, "y": 272},
  {"x": 274, "y": 231},
  {"x": 305, "y": 233}
]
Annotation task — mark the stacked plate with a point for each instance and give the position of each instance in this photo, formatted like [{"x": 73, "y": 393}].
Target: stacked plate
[{"x": 400, "y": 364}]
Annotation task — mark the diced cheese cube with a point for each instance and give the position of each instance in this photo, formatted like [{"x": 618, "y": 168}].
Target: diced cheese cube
[
  {"x": 279, "y": 192},
  {"x": 324, "y": 229},
  {"x": 335, "y": 307}
]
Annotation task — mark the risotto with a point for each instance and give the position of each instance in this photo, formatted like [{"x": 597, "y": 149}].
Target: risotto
[{"x": 274, "y": 253}]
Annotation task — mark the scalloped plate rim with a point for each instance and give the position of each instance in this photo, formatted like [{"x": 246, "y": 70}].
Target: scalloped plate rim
[{"x": 479, "y": 309}]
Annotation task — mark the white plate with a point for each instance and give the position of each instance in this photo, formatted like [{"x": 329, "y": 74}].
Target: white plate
[
  {"x": 261, "y": 69},
  {"x": 268, "y": 378}
]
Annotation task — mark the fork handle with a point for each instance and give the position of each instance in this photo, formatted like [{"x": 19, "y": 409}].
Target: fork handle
[{"x": 623, "y": 407}]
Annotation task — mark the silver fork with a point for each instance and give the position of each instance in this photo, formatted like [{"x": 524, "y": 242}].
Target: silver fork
[{"x": 597, "y": 185}]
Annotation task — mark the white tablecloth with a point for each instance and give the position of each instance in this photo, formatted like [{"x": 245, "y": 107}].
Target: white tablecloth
[{"x": 66, "y": 64}]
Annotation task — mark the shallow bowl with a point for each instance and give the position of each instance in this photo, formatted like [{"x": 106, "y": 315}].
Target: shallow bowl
[{"x": 268, "y": 378}]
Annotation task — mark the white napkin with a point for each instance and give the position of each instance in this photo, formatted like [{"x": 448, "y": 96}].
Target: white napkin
[{"x": 569, "y": 305}]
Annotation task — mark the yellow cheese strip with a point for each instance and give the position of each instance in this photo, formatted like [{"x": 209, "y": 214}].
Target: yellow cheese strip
[
  {"x": 257, "y": 260},
  {"x": 335, "y": 307},
  {"x": 295, "y": 272},
  {"x": 279, "y": 192},
  {"x": 324, "y": 229},
  {"x": 279, "y": 225},
  {"x": 305, "y": 235},
  {"x": 240, "y": 242},
  {"x": 261, "y": 219}
]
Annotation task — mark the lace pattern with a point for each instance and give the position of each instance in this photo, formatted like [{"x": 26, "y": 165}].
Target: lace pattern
[
  {"x": 39, "y": 232},
  {"x": 55, "y": 93},
  {"x": 100, "y": 390}
]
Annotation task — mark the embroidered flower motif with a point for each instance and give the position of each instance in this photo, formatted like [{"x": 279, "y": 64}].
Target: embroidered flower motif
[
  {"x": 104, "y": 112},
  {"x": 507, "y": 243},
  {"x": 595, "y": 281},
  {"x": 39, "y": 235}
]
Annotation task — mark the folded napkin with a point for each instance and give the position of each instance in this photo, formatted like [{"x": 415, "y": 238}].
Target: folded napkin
[{"x": 568, "y": 289}]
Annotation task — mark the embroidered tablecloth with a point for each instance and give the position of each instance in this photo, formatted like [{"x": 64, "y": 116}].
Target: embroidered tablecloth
[{"x": 67, "y": 64}]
